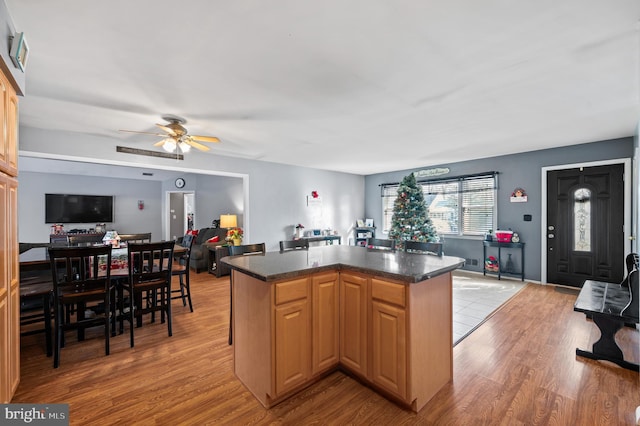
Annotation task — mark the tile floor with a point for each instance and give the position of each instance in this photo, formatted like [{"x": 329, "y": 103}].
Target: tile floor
[{"x": 475, "y": 297}]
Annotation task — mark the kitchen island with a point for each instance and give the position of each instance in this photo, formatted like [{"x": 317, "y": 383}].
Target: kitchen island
[{"x": 383, "y": 317}]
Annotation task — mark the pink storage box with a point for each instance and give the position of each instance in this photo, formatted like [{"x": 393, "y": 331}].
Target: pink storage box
[{"x": 504, "y": 236}]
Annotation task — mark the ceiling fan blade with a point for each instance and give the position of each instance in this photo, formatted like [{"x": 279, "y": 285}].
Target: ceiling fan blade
[
  {"x": 197, "y": 145},
  {"x": 144, "y": 133},
  {"x": 167, "y": 129},
  {"x": 204, "y": 138},
  {"x": 159, "y": 143}
]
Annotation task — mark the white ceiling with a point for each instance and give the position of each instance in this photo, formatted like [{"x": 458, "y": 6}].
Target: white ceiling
[{"x": 355, "y": 86}]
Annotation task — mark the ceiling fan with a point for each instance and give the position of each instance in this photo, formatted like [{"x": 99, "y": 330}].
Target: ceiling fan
[{"x": 177, "y": 137}]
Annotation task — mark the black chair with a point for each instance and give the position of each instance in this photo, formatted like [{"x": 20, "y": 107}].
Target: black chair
[
  {"x": 247, "y": 249},
  {"x": 135, "y": 238},
  {"x": 80, "y": 240},
  {"x": 36, "y": 289},
  {"x": 379, "y": 243},
  {"x": 294, "y": 244},
  {"x": 81, "y": 275},
  {"x": 180, "y": 269},
  {"x": 149, "y": 283},
  {"x": 423, "y": 247}
]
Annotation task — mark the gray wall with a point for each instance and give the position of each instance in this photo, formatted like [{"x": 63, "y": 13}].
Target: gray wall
[
  {"x": 517, "y": 170},
  {"x": 274, "y": 195},
  {"x": 127, "y": 192}
]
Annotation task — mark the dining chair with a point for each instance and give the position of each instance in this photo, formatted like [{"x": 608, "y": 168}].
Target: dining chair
[
  {"x": 180, "y": 269},
  {"x": 149, "y": 283},
  {"x": 423, "y": 247},
  {"x": 135, "y": 238},
  {"x": 81, "y": 279},
  {"x": 36, "y": 288},
  {"x": 247, "y": 249},
  {"x": 379, "y": 243},
  {"x": 79, "y": 240},
  {"x": 294, "y": 244}
]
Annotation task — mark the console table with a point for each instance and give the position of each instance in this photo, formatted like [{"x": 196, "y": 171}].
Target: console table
[
  {"x": 501, "y": 246},
  {"x": 328, "y": 239}
]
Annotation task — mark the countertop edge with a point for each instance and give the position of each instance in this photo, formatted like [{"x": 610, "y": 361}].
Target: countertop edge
[{"x": 408, "y": 279}]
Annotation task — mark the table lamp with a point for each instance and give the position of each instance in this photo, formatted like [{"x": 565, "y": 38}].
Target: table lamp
[{"x": 228, "y": 221}]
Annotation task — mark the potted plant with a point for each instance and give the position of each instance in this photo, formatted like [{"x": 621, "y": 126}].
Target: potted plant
[{"x": 234, "y": 236}]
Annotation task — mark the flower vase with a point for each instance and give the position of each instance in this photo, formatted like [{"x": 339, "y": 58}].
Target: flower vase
[{"x": 236, "y": 241}]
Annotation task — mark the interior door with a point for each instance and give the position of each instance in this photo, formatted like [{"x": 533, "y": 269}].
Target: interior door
[{"x": 585, "y": 218}]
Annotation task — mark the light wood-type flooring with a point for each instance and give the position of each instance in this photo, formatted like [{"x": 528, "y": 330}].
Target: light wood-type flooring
[{"x": 518, "y": 368}]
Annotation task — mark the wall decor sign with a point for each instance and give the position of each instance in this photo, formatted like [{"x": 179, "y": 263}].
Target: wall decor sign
[
  {"x": 438, "y": 171},
  {"x": 518, "y": 196},
  {"x": 19, "y": 51}
]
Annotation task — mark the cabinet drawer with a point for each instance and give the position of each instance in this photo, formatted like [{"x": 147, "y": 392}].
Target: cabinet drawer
[
  {"x": 388, "y": 292},
  {"x": 291, "y": 290}
]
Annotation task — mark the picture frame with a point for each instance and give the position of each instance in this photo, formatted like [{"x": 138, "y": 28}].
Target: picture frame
[
  {"x": 369, "y": 223},
  {"x": 360, "y": 223},
  {"x": 19, "y": 51}
]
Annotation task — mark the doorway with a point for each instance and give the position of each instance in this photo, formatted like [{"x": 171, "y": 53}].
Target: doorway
[
  {"x": 180, "y": 213},
  {"x": 585, "y": 224}
]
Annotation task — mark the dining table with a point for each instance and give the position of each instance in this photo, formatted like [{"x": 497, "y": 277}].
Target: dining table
[
  {"x": 37, "y": 258},
  {"x": 36, "y": 284}
]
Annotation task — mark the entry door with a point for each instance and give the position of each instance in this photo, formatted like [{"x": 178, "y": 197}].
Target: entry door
[{"x": 585, "y": 217}]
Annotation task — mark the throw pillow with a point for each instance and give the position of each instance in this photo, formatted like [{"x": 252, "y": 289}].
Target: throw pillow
[{"x": 214, "y": 239}]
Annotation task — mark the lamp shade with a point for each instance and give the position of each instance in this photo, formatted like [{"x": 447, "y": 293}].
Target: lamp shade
[{"x": 228, "y": 221}]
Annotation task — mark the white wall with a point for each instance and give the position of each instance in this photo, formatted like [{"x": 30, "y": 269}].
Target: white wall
[{"x": 274, "y": 194}]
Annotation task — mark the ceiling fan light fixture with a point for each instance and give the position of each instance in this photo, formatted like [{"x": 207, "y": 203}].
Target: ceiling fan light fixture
[
  {"x": 184, "y": 147},
  {"x": 169, "y": 145}
]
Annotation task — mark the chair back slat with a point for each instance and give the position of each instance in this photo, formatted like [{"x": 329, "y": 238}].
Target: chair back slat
[
  {"x": 423, "y": 247},
  {"x": 77, "y": 269},
  {"x": 294, "y": 244},
  {"x": 380, "y": 243},
  {"x": 150, "y": 261},
  {"x": 247, "y": 249},
  {"x": 136, "y": 238}
]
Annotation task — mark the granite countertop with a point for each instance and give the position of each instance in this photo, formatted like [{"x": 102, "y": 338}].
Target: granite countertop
[{"x": 406, "y": 267}]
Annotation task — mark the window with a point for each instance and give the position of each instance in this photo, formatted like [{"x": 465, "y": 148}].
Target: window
[{"x": 464, "y": 205}]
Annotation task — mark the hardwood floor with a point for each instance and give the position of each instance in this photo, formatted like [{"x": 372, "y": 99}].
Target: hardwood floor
[{"x": 517, "y": 368}]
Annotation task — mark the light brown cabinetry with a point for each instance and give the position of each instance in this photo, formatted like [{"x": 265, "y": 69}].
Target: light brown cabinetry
[
  {"x": 284, "y": 333},
  {"x": 9, "y": 280},
  {"x": 354, "y": 290},
  {"x": 388, "y": 337},
  {"x": 325, "y": 345},
  {"x": 397, "y": 337},
  {"x": 292, "y": 335}
]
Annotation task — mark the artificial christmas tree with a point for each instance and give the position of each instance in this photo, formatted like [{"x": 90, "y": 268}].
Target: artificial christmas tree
[{"x": 410, "y": 220}]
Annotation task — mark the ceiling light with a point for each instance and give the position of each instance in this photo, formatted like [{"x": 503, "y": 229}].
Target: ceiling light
[
  {"x": 184, "y": 147},
  {"x": 169, "y": 145}
]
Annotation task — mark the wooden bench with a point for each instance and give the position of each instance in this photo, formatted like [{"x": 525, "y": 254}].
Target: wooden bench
[{"x": 611, "y": 306}]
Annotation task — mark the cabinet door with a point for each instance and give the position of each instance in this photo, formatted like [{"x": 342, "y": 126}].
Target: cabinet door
[
  {"x": 292, "y": 341},
  {"x": 325, "y": 322},
  {"x": 388, "y": 345},
  {"x": 9, "y": 130},
  {"x": 12, "y": 264},
  {"x": 353, "y": 323}
]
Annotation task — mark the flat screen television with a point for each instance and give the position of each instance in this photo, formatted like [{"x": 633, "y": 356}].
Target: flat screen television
[{"x": 71, "y": 208}]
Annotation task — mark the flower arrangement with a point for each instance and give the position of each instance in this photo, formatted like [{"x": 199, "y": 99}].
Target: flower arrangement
[{"x": 234, "y": 235}]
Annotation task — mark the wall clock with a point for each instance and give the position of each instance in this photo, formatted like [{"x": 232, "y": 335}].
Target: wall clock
[{"x": 180, "y": 183}]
